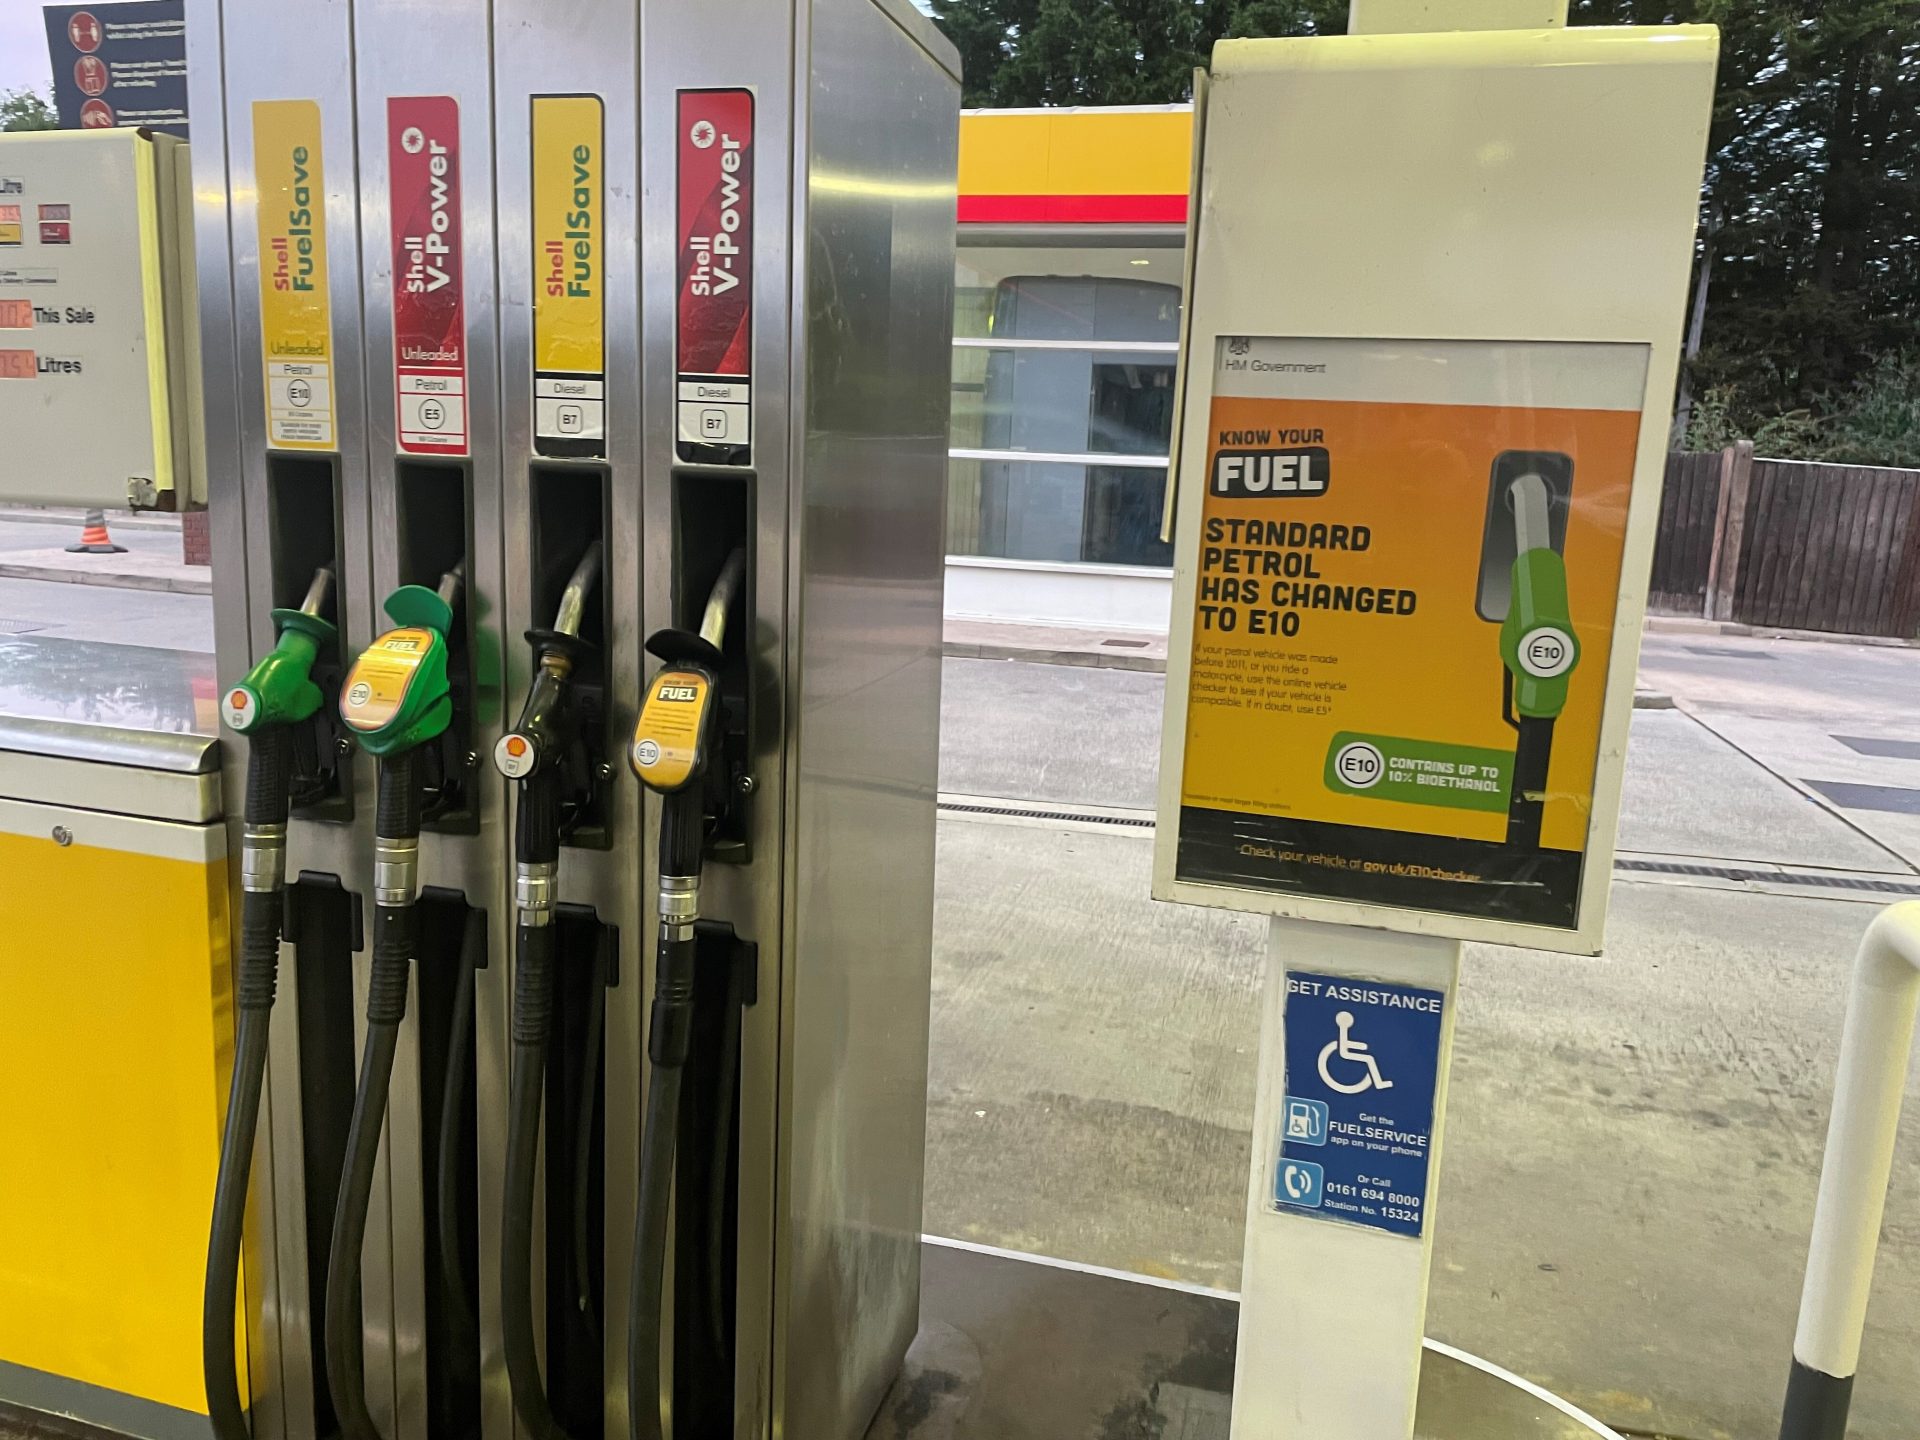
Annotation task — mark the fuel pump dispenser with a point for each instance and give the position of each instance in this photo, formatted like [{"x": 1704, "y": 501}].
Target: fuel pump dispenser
[
  {"x": 519, "y": 351},
  {"x": 543, "y": 754},
  {"x": 274, "y": 707},
  {"x": 396, "y": 699},
  {"x": 1537, "y": 643}
]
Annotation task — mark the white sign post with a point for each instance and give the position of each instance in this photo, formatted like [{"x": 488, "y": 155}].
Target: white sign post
[{"x": 1437, "y": 282}]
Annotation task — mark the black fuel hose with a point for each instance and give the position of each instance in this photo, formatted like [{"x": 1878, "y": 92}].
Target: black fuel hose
[
  {"x": 583, "y": 1148},
  {"x": 726, "y": 1085},
  {"x": 669, "y": 1038},
  {"x": 453, "y": 1094},
  {"x": 395, "y": 942},
  {"x": 532, "y": 1027},
  {"x": 269, "y": 785},
  {"x": 659, "y": 1137}
]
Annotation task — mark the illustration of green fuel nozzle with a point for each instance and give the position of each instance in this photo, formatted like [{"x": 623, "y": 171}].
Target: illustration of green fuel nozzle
[
  {"x": 396, "y": 699},
  {"x": 542, "y": 754},
  {"x": 273, "y": 707},
  {"x": 672, "y": 753},
  {"x": 1537, "y": 644}
]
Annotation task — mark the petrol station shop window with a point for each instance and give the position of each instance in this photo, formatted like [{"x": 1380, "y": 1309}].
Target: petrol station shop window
[{"x": 1063, "y": 403}]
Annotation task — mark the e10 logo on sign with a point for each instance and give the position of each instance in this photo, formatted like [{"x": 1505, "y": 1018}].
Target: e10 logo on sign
[
  {"x": 1356, "y": 1119},
  {"x": 1360, "y": 765},
  {"x": 1546, "y": 652}
]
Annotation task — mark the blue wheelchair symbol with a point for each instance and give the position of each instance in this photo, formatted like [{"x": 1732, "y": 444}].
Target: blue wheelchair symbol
[{"x": 1301, "y": 1183}]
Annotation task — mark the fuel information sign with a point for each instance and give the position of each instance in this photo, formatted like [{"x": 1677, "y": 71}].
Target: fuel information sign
[{"x": 1405, "y": 580}]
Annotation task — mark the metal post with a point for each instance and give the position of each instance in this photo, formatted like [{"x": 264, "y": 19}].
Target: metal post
[{"x": 1874, "y": 1049}]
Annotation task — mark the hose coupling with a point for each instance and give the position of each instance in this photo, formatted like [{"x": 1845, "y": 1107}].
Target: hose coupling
[
  {"x": 396, "y": 870},
  {"x": 679, "y": 905},
  {"x": 533, "y": 891},
  {"x": 263, "y": 858}
]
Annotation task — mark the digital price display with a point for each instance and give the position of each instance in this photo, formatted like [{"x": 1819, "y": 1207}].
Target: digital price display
[{"x": 16, "y": 314}]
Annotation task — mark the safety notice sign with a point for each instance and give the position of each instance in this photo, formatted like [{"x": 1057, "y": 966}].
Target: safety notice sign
[
  {"x": 429, "y": 300},
  {"x": 714, "y": 323},
  {"x": 1406, "y": 570},
  {"x": 1356, "y": 1122},
  {"x": 296, "y": 316}
]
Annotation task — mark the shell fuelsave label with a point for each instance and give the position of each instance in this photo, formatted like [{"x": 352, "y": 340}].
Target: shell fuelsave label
[
  {"x": 377, "y": 685},
  {"x": 1407, "y": 570},
  {"x": 569, "y": 262},
  {"x": 429, "y": 274},
  {"x": 666, "y": 742},
  {"x": 296, "y": 315}
]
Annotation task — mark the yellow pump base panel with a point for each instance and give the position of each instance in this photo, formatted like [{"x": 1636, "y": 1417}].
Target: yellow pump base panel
[{"x": 116, "y": 1037}]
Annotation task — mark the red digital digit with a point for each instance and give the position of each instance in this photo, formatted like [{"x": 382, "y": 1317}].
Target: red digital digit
[
  {"x": 17, "y": 365},
  {"x": 16, "y": 314}
]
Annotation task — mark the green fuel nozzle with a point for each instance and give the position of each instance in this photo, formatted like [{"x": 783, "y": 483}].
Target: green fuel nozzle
[
  {"x": 1537, "y": 643},
  {"x": 277, "y": 694},
  {"x": 397, "y": 699},
  {"x": 397, "y": 696},
  {"x": 279, "y": 690}
]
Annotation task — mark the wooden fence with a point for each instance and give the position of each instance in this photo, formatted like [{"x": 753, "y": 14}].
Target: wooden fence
[
  {"x": 1683, "y": 551},
  {"x": 1790, "y": 544}
]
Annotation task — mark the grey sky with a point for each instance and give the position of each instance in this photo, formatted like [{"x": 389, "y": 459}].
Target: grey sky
[{"x": 23, "y": 47}]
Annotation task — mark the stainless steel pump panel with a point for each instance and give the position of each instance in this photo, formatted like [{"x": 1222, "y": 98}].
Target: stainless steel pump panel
[{"x": 486, "y": 287}]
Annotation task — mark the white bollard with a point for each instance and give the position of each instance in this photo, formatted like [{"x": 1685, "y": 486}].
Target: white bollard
[{"x": 1874, "y": 1049}]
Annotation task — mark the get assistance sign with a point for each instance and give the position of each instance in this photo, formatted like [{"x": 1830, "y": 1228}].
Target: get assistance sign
[
  {"x": 1356, "y": 1124},
  {"x": 1406, "y": 567}
]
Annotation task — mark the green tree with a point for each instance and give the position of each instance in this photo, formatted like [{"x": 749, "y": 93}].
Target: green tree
[
  {"x": 1108, "y": 52},
  {"x": 1810, "y": 216},
  {"x": 26, "y": 110}
]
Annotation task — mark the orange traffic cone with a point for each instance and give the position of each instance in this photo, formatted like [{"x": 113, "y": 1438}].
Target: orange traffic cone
[{"x": 94, "y": 539}]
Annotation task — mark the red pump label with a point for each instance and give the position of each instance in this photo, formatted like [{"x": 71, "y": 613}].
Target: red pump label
[
  {"x": 429, "y": 289},
  {"x": 714, "y": 344}
]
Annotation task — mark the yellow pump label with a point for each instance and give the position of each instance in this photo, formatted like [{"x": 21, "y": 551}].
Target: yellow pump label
[
  {"x": 568, "y": 217},
  {"x": 377, "y": 685},
  {"x": 673, "y": 722},
  {"x": 296, "y": 322}
]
